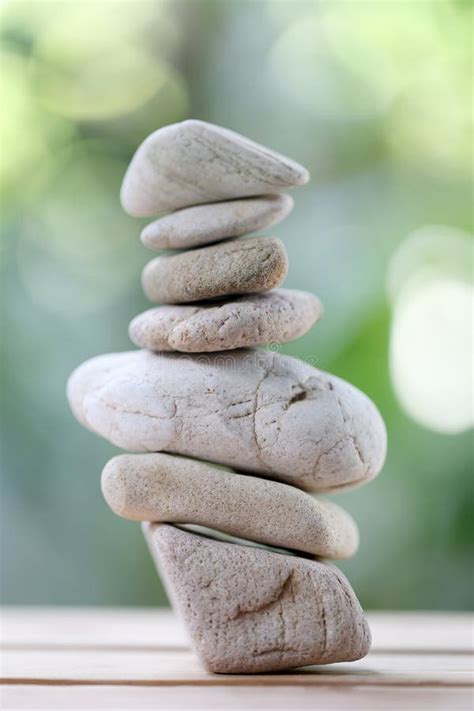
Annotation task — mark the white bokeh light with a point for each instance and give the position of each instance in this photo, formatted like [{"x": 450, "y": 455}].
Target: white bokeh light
[{"x": 431, "y": 345}]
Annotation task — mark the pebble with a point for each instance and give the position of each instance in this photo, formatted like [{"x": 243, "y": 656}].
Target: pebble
[
  {"x": 203, "y": 224},
  {"x": 253, "y": 410},
  {"x": 277, "y": 316},
  {"x": 250, "y": 610},
  {"x": 195, "y": 162},
  {"x": 166, "y": 488},
  {"x": 241, "y": 266}
]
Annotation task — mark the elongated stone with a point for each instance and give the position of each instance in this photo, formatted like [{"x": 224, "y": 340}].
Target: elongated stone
[
  {"x": 250, "y": 610},
  {"x": 242, "y": 266},
  {"x": 163, "y": 487},
  {"x": 278, "y": 316},
  {"x": 195, "y": 162},
  {"x": 255, "y": 411},
  {"x": 203, "y": 224}
]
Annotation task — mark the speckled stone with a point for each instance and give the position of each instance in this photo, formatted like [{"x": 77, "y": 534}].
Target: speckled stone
[
  {"x": 250, "y": 610},
  {"x": 195, "y": 162},
  {"x": 278, "y": 316},
  {"x": 241, "y": 266},
  {"x": 166, "y": 488},
  {"x": 203, "y": 224},
  {"x": 253, "y": 410}
]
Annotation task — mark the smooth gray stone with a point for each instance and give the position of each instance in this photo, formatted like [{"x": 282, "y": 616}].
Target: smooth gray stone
[
  {"x": 250, "y": 610},
  {"x": 278, "y": 316},
  {"x": 255, "y": 411},
  {"x": 195, "y": 162},
  {"x": 203, "y": 224},
  {"x": 163, "y": 487},
  {"x": 241, "y": 266}
]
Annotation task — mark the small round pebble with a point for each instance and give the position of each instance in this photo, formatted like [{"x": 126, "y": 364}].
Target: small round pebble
[{"x": 241, "y": 266}]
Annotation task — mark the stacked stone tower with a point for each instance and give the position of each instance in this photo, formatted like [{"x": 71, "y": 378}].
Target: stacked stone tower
[{"x": 235, "y": 438}]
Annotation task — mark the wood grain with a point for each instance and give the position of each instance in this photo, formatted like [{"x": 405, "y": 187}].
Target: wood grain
[
  {"x": 236, "y": 698},
  {"x": 140, "y": 658}
]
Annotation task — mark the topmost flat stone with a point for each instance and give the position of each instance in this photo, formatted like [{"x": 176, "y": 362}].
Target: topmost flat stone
[{"x": 194, "y": 162}]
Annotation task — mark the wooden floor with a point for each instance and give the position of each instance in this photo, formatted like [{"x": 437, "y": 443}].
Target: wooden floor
[{"x": 90, "y": 658}]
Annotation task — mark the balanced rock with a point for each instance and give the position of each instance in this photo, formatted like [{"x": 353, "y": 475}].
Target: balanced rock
[
  {"x": 234, "y": 441},
  {"x": 254, "y": 410},
  {"x": 203, "y": 224},
  {"x": 195, "y": 162},
  {"x": 240, "y": 266},
  {"x": 163, "y": 487},
  {"x": 277, "y": 316},
  {"x": 250, "y": 610}
]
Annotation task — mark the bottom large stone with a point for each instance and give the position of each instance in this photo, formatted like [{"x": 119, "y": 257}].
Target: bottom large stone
[{"x": 251, "y": 610}]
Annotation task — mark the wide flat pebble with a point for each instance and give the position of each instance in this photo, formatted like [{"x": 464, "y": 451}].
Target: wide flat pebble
[
  {"x": 163, "y": 487},
  {"x": 195, "y": 162},
  {"x": 203, "y": 224},
  {"x": 241, "y": 266},
  {"x": 278, "y": 316},
  {"x": 250, "y": 610},
  {"x": 253, "y": 410}
]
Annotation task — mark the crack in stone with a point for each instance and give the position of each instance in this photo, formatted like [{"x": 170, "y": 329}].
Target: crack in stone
[
  {"x": 325, "y": 452},
  {"x": 276, "y": 598},
  {"x": 325, "y": 626},
  {"x": 123, "y": 411},
  {"x": 255, "y": 410},
  {"x": 298, "y": 397},
  {"x": 350, "y": 433}
]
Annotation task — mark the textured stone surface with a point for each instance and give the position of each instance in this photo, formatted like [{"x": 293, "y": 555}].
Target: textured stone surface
[
  {"x": 195, "y": 162},
  {"x": 203, "y": 224},
  {"x": 242, "y": 266},
  {"x": 253, "y": 410},
  {"x": 278, "y": 316},
  {"x": 166, "y": 488},
  {"x": 249, "y": 610}
]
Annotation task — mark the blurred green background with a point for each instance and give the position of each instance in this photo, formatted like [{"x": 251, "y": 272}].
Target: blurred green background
[{"x": 375, "y": 99}]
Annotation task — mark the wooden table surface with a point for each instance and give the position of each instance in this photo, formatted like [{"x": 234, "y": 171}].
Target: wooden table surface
[{"x": 109, "y": 658}]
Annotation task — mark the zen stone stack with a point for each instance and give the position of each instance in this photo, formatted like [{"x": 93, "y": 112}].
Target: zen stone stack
[{"x": 226, "y": 435}]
